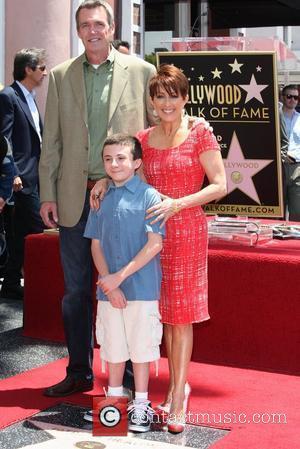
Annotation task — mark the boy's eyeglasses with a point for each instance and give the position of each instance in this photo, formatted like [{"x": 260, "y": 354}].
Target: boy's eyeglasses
[{"x": 289, "y": 97}]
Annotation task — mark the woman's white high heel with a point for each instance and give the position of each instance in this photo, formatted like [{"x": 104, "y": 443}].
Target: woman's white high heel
[
  {"x": 166, "y": 408},
  {"x": 176, "y": 421}
]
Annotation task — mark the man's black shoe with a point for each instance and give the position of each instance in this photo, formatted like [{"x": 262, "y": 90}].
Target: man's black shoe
[
  {"x": 12, "y": 292},
  {"x": 128, "y": 379},
  {"x": 68, "y": 386}
]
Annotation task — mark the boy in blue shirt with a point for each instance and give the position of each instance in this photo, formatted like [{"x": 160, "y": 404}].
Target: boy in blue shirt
[{"x": 125, "y": 249}]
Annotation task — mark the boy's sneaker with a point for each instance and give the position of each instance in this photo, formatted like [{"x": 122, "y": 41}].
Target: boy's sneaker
[
  {"x": 140, "y": 416},
  {"x": 88, "y": 416}
]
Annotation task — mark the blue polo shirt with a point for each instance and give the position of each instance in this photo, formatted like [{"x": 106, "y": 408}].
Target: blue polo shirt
[{"x": 121, "y": 228}]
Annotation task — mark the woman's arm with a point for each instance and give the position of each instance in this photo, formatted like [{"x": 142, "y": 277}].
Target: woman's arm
[
  {"x": 212, "y": 163},
  {"x": 140, "y": 172}
]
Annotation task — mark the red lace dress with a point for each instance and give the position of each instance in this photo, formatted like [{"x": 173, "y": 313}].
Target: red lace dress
[{"x": 177, "y": 172}]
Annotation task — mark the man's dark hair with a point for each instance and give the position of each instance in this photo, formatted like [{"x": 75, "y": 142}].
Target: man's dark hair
[
  {"x": 91, "y": 4},
  {"x": 27, "y": 57},
  {"x": 118, "y": 43},
  {"x": 289, "y": 87},
  {"x": 125, "y": 140}
]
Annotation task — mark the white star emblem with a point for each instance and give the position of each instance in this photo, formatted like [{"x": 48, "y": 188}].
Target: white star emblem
[
  {"x": 239, "y": 171},
  {"x": 236, "y": 67},
  {"x": 201, "y": 78},
  {"x": 258, "y": 68},
  {"x": 253, "y": 90},
  {"x": 216, "y": 73}
]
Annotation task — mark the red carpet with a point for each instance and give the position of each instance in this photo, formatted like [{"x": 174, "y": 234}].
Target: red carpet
[
  {"x": 217, "y": 391},
  {"x": 253, "y": 302}
]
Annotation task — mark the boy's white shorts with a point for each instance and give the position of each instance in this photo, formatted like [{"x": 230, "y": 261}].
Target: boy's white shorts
[{"x": 132, "y": 333}]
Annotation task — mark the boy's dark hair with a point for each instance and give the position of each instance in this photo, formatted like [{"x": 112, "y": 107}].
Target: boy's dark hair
[
  {"x": 125, "y": 140},
  {"x": 91, "y": 4},
  {"x": 27, "y": 57}
]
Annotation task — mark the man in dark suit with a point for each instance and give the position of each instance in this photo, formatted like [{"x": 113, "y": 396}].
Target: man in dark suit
[
  {"x": 7, "y": 172},
  {"x": 21, "y": 124}
]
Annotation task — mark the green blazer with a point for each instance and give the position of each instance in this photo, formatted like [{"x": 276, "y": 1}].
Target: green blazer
[{"x": 63, "y": 168}]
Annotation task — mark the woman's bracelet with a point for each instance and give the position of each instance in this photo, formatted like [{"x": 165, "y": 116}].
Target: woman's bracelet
[{"x": 175, "y": 206}]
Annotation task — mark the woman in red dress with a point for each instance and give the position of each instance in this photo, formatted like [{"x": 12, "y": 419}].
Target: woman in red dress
[{"x": 175, "y": 160}]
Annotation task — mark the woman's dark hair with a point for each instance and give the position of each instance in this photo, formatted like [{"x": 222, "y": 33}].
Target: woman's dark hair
[{"x": 171, "y": 79}]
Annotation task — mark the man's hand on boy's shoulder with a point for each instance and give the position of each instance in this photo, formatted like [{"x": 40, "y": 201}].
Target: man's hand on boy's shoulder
[{"x": 98, "y": 192}]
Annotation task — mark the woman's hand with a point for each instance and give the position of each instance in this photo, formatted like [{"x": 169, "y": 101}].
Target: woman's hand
[
  {"x": 192, "y": 121},
  {"x": 98, "y": 192},
  {"x": 163, "y": 211}
]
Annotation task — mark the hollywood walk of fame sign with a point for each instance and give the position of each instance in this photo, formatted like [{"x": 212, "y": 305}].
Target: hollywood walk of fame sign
[{"x": 237, "y": 93}]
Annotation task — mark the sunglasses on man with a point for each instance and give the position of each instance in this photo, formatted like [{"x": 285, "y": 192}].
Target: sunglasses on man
[
  {"x": 42, "y": 68},
  {"x": 289, "y": 97}
]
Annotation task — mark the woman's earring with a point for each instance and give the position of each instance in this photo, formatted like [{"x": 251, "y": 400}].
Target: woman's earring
[{"x": 155, "y": 113}]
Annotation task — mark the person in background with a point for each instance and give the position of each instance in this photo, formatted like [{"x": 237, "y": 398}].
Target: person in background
[
  {"x": 290, "y": 151},
  {"x": 21, "y": 124},
  {"x": 7, "y": 172},
  {"x": 122, "y": 46},
  {"x": 100, "y": 93}
]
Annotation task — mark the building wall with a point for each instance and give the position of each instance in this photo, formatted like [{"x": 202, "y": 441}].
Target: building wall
[
  {"x": 50, "y": 24},
  {"x": 288, "y": 69},
  {"x": 35, "y": 23},
  {"x": 45, "y": 24}
]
